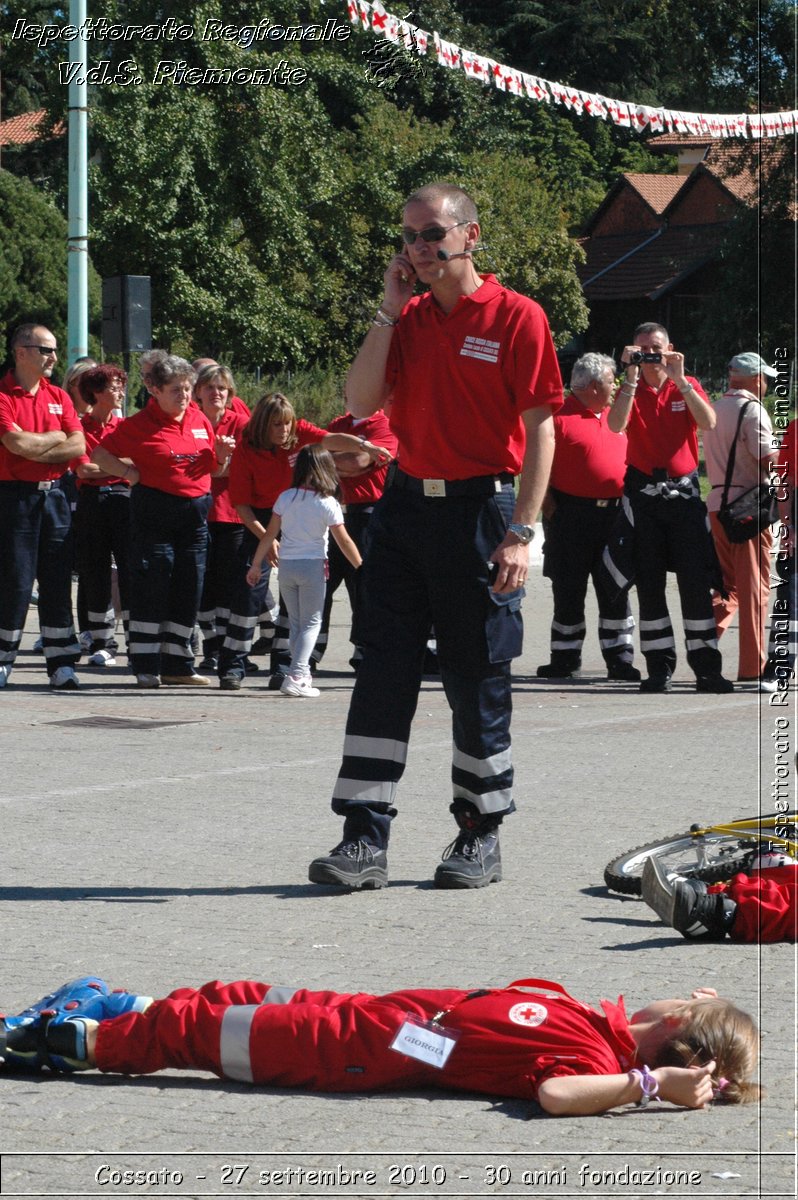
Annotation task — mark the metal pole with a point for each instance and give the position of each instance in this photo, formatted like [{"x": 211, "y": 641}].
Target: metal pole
[{"x": 78, "y": 232}]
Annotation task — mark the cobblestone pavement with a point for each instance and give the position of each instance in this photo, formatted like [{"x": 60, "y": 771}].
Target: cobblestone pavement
[{"x": 167, "y": 843}]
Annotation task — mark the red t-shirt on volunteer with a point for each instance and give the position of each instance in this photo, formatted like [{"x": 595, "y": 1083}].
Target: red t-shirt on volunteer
[
  {"x": 662, "y": 430},
  {"x": 460, "y": 382},
  {"x": 50, "y": 409},
  {"x": 171, "y": 456},
  {"x": 258, "y": 476},
  {"x": 368, "y": 487},
  {"x": 95, "y": 433},
  {"x": 589, "y": 459},
  {"x": 222, "y": 509}
]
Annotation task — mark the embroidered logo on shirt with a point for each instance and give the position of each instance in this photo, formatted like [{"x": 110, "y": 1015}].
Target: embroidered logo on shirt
[
  {"x": 528, "y": 1014},
  {"x": 678, "y": 406},
  {"x": 474, "y": 347},
  {"x": 200, "y": 433},
  {"x": 55, "y": 408}
]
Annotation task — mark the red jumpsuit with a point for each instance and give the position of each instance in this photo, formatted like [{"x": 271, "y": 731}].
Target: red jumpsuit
[
  {"x": 767, "y": 905},
  {"x": 510, "y": 1039}
]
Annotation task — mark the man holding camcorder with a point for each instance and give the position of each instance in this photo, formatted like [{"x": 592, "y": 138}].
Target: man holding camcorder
[{"x": 662, "y": 410}]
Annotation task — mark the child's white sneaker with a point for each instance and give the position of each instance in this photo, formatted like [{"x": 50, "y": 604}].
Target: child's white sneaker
[{"x": 298, "y": 685}]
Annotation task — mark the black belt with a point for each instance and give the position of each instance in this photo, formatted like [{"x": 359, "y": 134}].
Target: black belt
[
  {"x": 28, "y": 485},
  {"x": 477, "y": 485},
  {"x": 585, "y": 501}
]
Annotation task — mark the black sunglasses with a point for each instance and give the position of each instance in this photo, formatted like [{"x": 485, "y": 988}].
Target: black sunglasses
[
  {"x": 45, "y": 350},
  {"x": 435, "y": 233}
]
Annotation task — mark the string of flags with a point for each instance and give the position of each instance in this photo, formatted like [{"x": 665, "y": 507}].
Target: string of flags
[{"x": 374, "y": 18}]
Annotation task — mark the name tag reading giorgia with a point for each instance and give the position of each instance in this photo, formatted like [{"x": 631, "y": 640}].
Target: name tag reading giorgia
[{"x": 425, "y": 1040}]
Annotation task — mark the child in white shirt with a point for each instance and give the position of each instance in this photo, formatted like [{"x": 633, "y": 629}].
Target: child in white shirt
[{"x": 302, "y": 515}]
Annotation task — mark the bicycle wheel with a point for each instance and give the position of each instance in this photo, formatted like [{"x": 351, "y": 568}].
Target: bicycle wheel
[{"x": 713, "y": 858}]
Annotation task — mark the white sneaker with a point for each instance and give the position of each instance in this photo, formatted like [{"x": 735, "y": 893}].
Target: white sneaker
[
  {"x": 64, "y": 679},
  {"x": 299, "y": 687},
  {"x": 84, "y": 641},
  {"x": 4, "y": 674},
  {"x": 102, "y": 658},
  {"x": 148, "y": 681},
  {"x": 768, "y": 685}
]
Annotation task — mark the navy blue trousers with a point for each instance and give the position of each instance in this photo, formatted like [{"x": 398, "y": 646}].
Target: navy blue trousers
[
  {"x": 36, "y": 543},
  {"x": 169, "y": 545},
  {"x": 575, "y": 539},
  {"x": 427, "y": 564},
  {"x": 102, "y": 533}
]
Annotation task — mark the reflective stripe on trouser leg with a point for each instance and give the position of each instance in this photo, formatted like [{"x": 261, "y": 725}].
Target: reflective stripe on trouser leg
[
  {"x": 54, "y": 575},
  {"x": 482, "y": 768},
  {"x": 246, "y": 603},
  {"x": 615, "y": 638}
]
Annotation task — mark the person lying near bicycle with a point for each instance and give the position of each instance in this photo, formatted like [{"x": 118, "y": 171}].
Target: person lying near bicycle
[
  {"x": 540, "y": 1045},
  {"x": 760, "y": 907}
]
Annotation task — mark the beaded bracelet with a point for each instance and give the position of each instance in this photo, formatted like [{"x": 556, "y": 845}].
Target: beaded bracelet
[{"x": 648, "y": 1085}]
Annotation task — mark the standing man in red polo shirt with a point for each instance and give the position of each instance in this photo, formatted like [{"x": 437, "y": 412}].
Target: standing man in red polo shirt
[
  {"x": 580, "y": 509},
  {"x": 39, "y": 434},
  {"x": 661, "y": 410},
  {"x": 468, "y": 374}
]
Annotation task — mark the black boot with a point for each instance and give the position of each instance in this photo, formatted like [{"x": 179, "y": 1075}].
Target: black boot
[
  {"x": 473, "y": 859},
  {"x": 697, "y": 914}
]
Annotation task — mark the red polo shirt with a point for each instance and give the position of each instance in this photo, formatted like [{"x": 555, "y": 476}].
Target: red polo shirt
[
  {"x": 94, "y": 433},
  {"x": 460, "y": 381},
  {"x": 368, "y": 487},
  {"x": 258, "y": 476},
  {"x": 222, "y": 509},
  {"x": 172, "y": 456},
  {"x": 589, "y": 459},
  {"x": 662, "y": 430},
  {"x": 51, "y": 408}
]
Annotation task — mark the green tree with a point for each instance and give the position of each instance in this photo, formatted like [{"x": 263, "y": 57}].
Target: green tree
[{"x": 33, "y": 260}]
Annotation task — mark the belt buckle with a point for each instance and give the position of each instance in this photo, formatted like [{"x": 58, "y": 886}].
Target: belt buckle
[
  {"x": 44, "y": 485},
  {"x": 434, "y": 487},
  {"x": 602, "y": 504}
]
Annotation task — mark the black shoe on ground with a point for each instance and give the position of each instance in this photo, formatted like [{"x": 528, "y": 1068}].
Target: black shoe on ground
[
  {"x": 623, "y": 672},
  {"x": 250, "y": 667},
  {"x": 209, "y": 664},
  {"x": 276, "y": 681},
  {"x": 231, "y": 682},
  {"x": 471, "y": 861},
  {"x": 659, "y": 681},
  {"x": 351, "y": 865},
  {"x": 716, "y": 684},
  {"x": 553, "y": 671},
  {"x": 696, "y": 914}
]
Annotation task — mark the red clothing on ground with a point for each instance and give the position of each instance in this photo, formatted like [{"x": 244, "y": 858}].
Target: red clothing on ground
[
  {"x": 589, "y": 459},
  {"x": 368, "y": 487},
  {"x": 171, "y": 456},
  {"x": 258, "y": 476},
  {"x": 94, "y": 433},
  {"x": 662, "y": 430},
  {"x": 460, "y": 382},
  {"x": 50, "y": 409},
  {"x": 510, "y": 1040},
  {"x": 767, "y": 905},
  {"x": 222, "y": 508}
]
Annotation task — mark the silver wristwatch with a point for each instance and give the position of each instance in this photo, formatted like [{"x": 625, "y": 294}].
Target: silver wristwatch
[{"x": 524, "y": 533}]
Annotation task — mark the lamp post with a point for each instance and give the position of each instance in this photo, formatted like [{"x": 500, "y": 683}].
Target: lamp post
[{"x": 78, "y": 231}]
